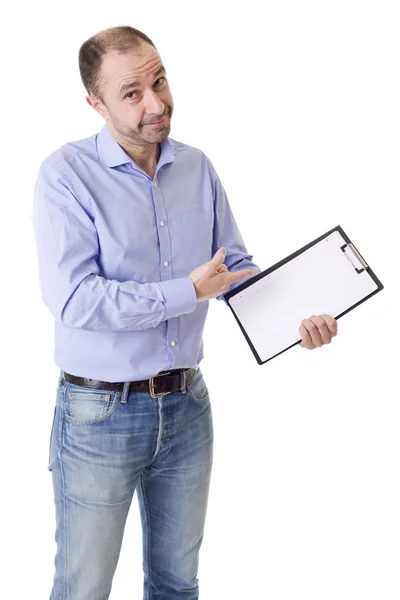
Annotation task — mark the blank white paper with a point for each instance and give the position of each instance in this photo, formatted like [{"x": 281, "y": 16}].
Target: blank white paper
[{"x": 320, "y": 280}]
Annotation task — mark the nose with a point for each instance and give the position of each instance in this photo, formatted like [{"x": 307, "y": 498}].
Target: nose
[{"x": 154, "y": 107}]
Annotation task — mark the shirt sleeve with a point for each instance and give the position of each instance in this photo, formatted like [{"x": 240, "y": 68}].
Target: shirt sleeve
[
  {"x": 67, "y": 249},
  {"x": 226, "y": 234}
]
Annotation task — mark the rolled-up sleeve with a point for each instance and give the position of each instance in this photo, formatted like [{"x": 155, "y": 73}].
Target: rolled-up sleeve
[
  {"x": 67, "y": 251},
  {"x": 226, "y": 233}
]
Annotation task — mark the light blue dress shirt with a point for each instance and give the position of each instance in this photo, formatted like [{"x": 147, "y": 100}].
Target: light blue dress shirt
[{"x": 115, "y": 249}]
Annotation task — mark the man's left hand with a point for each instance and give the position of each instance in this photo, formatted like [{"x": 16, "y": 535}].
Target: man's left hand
[{"x": 317, "y": 331}]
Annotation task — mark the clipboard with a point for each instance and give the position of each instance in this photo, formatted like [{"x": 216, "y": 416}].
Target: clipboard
[{"x": 326, "y": 276}]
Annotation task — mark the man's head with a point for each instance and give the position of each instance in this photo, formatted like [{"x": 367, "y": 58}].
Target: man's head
[{"x": 109, "y": 62}]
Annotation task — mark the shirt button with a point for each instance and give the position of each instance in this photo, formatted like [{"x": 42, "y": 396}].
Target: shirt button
[
  {"x": 155, "y": 184},
  {"x": 173, "y": 343},
  {"x": 162, "y": 223},
  {"x": 166, "y": 263}
]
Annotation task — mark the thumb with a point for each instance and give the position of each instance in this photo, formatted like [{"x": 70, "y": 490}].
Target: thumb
[{"x": 218, "y": 259}]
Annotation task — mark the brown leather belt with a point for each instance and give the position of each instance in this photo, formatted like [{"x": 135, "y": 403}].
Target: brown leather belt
[{"x": 163, "y": 383}]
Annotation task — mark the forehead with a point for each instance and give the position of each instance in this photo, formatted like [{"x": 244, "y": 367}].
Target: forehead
[{"x": 137, "y": 63}]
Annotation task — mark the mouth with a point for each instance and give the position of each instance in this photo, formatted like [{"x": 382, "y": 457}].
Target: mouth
[{"x": 158, "y": 123}]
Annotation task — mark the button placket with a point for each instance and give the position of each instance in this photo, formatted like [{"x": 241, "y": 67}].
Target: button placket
[{"x": 162, "y": 223}]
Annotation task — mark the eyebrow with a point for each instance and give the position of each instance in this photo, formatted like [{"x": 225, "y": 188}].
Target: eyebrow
[{"x": 132, "y": 84}]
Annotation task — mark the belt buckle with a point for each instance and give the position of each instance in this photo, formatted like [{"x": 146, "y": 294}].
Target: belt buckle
[{"x": 151, "y": 384}]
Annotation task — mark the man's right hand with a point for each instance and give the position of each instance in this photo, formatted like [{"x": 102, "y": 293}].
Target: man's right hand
[{"x": 210, "y": 280}]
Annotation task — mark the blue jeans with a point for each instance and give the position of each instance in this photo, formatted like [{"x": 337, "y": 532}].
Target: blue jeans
[{"x": 104, "y": 445}]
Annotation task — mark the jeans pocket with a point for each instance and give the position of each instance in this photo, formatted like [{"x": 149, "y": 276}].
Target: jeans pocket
[
  {"x": 197, "y": 388},
  {"x": 84, "y": 405}
]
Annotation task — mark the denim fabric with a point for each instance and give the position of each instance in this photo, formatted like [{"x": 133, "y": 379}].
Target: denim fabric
[{"x": 104, "y": 445}]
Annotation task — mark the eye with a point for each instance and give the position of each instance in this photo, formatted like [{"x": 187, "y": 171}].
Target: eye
[{"x": 129, "y": 93}]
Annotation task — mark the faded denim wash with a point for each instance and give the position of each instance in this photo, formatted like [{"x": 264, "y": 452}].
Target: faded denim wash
[{"x": 104, "y": 445}]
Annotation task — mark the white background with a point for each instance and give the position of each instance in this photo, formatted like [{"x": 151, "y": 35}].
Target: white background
[{"x": 297, "y": 105}]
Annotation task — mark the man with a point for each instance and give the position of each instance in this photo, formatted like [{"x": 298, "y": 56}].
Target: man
[{"x": 134, "y": 235}]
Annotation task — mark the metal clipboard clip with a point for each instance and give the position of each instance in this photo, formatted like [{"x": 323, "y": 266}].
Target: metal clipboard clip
[{"x": 356, "y": 254}]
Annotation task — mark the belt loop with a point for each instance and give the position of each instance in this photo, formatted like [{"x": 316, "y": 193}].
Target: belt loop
[
  {"x": 125, "y": 392},
  {"x": 183, "y": 380}
]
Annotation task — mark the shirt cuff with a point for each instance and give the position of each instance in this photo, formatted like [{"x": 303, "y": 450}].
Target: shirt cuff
[
  {"x": 180, "y": 296},
  {"x": 221, "y": 297}
]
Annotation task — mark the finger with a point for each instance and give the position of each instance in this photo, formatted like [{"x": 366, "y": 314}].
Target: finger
[
  {"x": 313, "y": 331},
  {"x": 236, "y": 276},
  {"x": 306, "y": 341},
  {"x": 218, "y": 257},
  {"x": 331, "y": 323},
  {"x": 322, "y": 331},
  {"x": 217, "y": 260}
]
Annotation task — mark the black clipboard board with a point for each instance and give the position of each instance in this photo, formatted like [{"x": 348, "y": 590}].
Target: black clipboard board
[{"x": 347, "y": 248}]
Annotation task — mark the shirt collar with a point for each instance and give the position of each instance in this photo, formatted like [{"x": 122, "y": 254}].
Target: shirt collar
[{"x": 113, "y": 155}]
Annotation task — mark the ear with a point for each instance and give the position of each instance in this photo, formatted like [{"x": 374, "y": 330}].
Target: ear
[{"x": 98, "y": 106}]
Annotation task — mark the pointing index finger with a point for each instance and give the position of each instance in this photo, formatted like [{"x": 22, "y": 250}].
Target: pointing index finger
[{"x": 236, "y": 275}]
